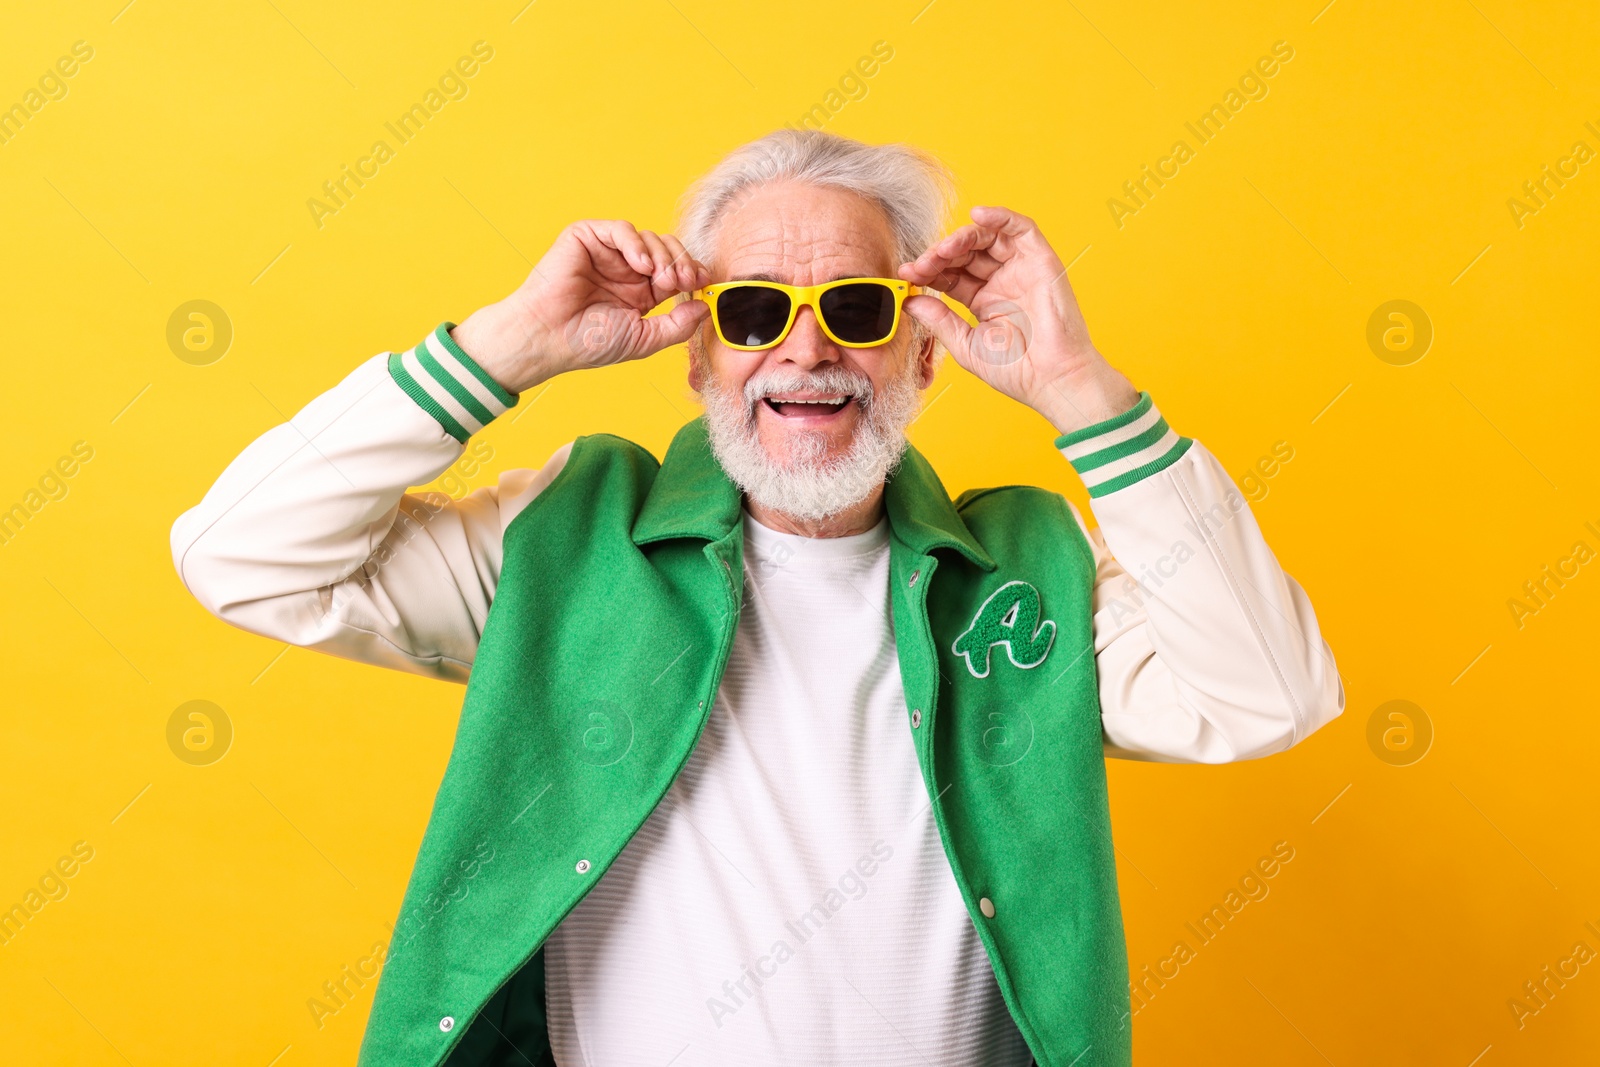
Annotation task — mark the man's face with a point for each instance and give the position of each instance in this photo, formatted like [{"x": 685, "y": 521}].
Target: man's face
[{"x": 805, "y": 235}]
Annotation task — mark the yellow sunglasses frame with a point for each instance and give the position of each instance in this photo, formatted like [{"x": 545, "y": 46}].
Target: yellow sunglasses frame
[{"x": 806, "y": 296}]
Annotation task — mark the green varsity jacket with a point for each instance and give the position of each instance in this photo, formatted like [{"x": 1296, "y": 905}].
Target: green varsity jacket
[{"x": 577, "y": 719}]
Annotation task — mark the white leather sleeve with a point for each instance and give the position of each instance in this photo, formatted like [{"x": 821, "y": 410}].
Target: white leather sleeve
[
  {"x": 309, "y": 536},
  {"x": 1207, "y": 652}
]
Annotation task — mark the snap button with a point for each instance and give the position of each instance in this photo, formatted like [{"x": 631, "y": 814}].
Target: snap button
[
  {"x": 914, "y": 576},
  {"x": 583, "y": 867},
  {"x": 916, "y": 718},
  {"x": 447, "y": 1024},
  {"x": 986, "y": 906}
]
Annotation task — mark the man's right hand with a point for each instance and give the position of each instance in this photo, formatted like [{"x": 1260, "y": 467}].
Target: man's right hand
[{"x": 584, "y": 306}]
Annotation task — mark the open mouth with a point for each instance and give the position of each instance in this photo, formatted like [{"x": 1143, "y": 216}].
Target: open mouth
[{"x": 809, "y": 408}]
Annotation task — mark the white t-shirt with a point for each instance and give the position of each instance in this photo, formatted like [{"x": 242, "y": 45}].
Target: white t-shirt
[{"x": 789, "y": 900}]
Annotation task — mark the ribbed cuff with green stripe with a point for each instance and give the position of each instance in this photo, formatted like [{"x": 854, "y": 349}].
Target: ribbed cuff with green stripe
[
  {"x": 447, "y": 384},
  {"x": 1114, "y": 454}
]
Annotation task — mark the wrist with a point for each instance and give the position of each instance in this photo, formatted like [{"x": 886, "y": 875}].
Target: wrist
[
  {"x": 1123, "y": 450},
  {"x": 449, "y": 384},
  {"x": 1075, "y": 402},
  {"x": 497, "y": 339}
]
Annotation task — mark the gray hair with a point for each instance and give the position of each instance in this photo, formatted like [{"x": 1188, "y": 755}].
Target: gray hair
[{"x": 913, "y": 188}]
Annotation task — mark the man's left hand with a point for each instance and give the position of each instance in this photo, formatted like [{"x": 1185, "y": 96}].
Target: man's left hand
[{"x": 1031, "y": 342}]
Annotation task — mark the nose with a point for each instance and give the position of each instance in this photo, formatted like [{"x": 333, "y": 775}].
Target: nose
[{"x": 807, "y": 346}]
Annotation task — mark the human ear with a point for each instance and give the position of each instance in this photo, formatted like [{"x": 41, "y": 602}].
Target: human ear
[
  {"x": 928, "y": 364},
  {"x": 697, "y": 359}
]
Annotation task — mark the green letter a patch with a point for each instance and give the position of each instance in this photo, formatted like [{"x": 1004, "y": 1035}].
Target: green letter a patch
[{"x": 1009, "y": 617}]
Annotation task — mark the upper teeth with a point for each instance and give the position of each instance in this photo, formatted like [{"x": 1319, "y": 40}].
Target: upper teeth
[{"x": 824, "y": 400}]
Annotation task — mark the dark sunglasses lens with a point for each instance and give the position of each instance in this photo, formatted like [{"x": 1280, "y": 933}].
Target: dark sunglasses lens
[
  {"x": 752, "y": 315},
  {"x": 861, "y": 314}
]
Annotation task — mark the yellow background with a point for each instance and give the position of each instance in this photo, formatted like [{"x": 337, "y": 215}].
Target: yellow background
[{"x": 1379, "y": 166}]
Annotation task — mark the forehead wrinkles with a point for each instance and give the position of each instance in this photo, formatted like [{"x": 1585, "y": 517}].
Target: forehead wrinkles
[
  {"x": 788, "y": 252},
  {"x": 772, "y": 237}
]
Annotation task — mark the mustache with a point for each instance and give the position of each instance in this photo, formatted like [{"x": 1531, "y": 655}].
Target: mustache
[{"x": 834, "y": 381}]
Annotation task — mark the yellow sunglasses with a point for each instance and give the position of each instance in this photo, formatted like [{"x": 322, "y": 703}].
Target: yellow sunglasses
[{"x": 854, "y": 312}]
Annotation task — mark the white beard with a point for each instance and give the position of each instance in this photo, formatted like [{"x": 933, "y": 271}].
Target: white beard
[{"x": 811, "y": 487}]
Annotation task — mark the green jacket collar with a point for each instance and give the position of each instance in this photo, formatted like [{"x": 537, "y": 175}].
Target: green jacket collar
[{"x": 693, "y": 497}]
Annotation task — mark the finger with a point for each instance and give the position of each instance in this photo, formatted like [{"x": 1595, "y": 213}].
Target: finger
[
  {"x": 968, "y": 238},
  {"x": 664, "y": 274},
  {"x": 957, "y": 283},
  {"x": 1017, "y": 233},
  {"x": 667, "y": 280},
  {"x": 993, "y": 229},
  {"x": 927, "y": 268},
  {"x": 685, "y": 266},
  {"x": 620, "y": 235},
  {"x": 1003, "y": 236},
  {"x": 1011, "y": 223},
  {"x": 957, "y": 251},
  {"x": 675, "y": 327},
  {"x": 998, "y": 230},
  {"x": 947, "y": 326},
  {"x": 982, "y": 265},
  {"x": 958, "y": 246}
]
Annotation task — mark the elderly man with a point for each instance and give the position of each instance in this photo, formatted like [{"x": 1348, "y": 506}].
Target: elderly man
[{"x": 771, "y": 752}]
